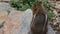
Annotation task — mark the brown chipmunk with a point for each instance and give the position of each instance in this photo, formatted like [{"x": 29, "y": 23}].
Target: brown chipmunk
[{"x": 39, "y": 22}]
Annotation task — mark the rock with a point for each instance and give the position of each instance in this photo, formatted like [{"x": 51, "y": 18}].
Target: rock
[
  {"x": 50, "y": 30},
  {"x": 5, "y": 6},
  {"x": 55, "y": 12},
  {"x": 3, "y": 17},
  {"x": 57, "y": 5},
  {"x": 12, "y": 22},
  {"x": 1, "y": 31},
  {"x": 24, "y": 27}
]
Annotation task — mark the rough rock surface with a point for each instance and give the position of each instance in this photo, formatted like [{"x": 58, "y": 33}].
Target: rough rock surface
[
  {"x": 12, "y": 23},
  {"x": 5, "y": 6},
  {"x": 3, "y": 16},
  {"x": 24, "y": 27},
  {"x": 12, "y": 20}
]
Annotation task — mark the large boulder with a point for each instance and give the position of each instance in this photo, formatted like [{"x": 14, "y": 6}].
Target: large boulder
[
  {"x": 24, "y": 27},
  {"x": 12, "y": 22},
  {"x": 3, "y": 17}
]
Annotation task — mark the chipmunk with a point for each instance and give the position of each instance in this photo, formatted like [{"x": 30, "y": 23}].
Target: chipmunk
[{"x": 38, "y": 21}]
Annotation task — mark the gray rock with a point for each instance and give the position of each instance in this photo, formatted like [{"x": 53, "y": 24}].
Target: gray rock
[
  {"x": 24, "y": 27},
  {"x": 12, "y": 22},
  {"x": 5, "y": 6}
]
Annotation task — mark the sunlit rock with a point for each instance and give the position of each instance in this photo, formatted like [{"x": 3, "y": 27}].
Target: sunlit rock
[
  {"x": 12, "y": 22},
  {"x": 3, "y": 17},
  {"x": 24, "y": 28}
]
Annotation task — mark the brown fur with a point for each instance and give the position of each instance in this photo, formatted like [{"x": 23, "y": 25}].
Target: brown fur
[
  {"x": 38, "y": 21},
  {"x": 38, "y": 8}
]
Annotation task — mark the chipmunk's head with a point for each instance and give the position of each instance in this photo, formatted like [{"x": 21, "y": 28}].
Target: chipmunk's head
[{"x": 38, "y": 8}]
